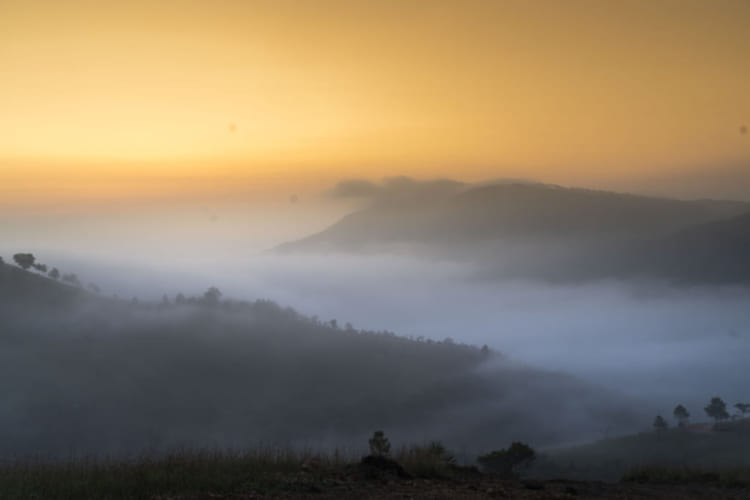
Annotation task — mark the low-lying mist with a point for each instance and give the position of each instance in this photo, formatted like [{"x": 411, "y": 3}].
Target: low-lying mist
[
  {"x": 645, "y": 345},
  {"x": 647, "y": 339},
  {"x": 84, "y": 374}
]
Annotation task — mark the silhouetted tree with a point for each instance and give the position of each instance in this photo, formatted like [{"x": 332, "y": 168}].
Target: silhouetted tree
[
  {"x": 212, "y": 296},
  {"x": 334, "y": 324},
  {"x": 504, "y": 462},
  {"x": 24, "y": 260},
  {"x": 485, "y": 350},
  {"x": 94, "y": 288},
  {"x": 743, "y": 407},
  {"x": 42, "y": 268},
  {"x": 660, "y": 424},
  {"x": 379, "y": 444},
  {"x": 1, "y": 261},
  {"x": 717, "y": 410},
  {"x": 54, "y": 274},
  {"x": 682, "y": 415},
  {"x": 179, "y": 299}
]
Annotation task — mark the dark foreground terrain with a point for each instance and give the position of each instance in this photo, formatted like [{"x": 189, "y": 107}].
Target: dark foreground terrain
[{"x": 193, "y": 476}]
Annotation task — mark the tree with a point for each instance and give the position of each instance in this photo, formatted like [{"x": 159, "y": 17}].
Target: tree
[
  {"x": 1, "y": 261},
  {"x": 379, "y": 444},
  {"x": 660, "y": 424},
  {"x": 505, "y": 462},
  {"x": 212, "y": 296},
  {"x": 682, "y": 415},
  {"x": 180, "y": 299},
  {"x": 24, "y": 260},
  {"x": 717, "y": 410},
  {"x": 743, "y": 407},
  {"x": 54, "y": 274},
  {"x": 42, "y": 268},
  {"x": 94, "y": 288}
]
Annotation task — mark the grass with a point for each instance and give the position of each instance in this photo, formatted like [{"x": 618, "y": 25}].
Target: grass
[
  {"x": 194, "y": 473},
  {"x": 430, "y": 460},
  {"x": 184, "y": 473},
  {"x": 737, "y": 477},
  {"x": 676, "y": 448}
]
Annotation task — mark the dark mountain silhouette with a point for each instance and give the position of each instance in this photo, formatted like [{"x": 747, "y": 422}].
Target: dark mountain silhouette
[
  {"x": 82, "y": 374},
  {"x": 513, "y": 211},
  {"x": 714, "y": 252},
  {"x": 550, "y": 232}
]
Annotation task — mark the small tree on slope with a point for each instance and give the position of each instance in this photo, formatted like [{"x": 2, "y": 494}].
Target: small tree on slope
[
  {"x": 717, "y": 410},
  {"x": 682, "y": 415}
]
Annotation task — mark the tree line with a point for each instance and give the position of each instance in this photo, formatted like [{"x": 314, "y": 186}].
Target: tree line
[
  {"x": 716, "y": 409},
  {"x": 27, "y": 261}
]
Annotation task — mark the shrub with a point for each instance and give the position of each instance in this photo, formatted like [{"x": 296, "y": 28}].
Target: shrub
[
  {"x": 430, "y": 460},
  {"x": 505, "y": 462}
]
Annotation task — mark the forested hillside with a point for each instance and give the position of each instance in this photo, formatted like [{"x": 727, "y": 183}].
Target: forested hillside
[{"x": 82, "y": 373}]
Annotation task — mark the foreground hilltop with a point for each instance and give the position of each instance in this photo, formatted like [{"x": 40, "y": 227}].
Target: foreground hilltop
[{"x": 286, "y": 475}]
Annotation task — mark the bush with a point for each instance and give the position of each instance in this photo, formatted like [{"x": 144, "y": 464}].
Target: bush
[
  {"x": 505, "y": 462},
  {"x": 430, "y": 460}
]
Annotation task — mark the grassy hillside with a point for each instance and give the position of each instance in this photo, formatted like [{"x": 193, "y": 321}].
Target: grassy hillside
[
  {"x": 86, "y": 374},
  {"x": 268, "y": 473},
  {"x": 697, "y": 448}
]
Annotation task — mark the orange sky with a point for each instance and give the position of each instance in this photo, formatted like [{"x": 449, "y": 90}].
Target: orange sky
[{"x": 136, "y": 98}]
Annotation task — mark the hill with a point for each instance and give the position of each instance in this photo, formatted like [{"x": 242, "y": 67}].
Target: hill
[
  {"x": 547, "y": 232},
  {"x": 697, "y": 447},
  {"x": 715, "y": 252},
  {"x": 81, "y": 374},
  {"x": 512, "y": 211}
]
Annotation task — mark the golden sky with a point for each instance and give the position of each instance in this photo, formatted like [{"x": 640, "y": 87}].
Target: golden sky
[{"x": 100, "y": 92}]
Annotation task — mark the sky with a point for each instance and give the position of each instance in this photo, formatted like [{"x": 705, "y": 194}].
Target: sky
[{"x": 123, "y": 101}]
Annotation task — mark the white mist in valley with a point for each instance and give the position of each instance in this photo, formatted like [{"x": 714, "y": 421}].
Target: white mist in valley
[{"x": 661, "y": 343}]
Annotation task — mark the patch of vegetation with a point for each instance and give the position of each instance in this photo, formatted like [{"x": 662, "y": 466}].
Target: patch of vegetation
[
  {"x": 696, "y": 447},
  {"x": 429, "y": 460},
  {"x": 507, "y": 462},
  {"x": 727, "y": 477},
  {"x": 266, "y": 471}
]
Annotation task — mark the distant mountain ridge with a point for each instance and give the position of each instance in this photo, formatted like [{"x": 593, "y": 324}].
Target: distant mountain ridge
[
  {"x": 538, "y": 230},
  {"x": 513, "y": 210}
]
